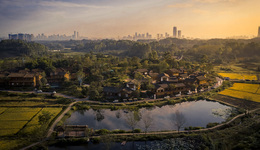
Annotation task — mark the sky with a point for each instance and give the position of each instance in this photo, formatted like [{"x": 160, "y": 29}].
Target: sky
[{"x": 113, "y": 18}]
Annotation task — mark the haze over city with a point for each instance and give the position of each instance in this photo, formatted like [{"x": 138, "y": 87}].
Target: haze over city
[{"x": 113, "y": 18}]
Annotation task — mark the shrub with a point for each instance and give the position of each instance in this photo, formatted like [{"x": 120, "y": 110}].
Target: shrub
[
  {"x": 119, "y": 131},
  {"x": 170, "y": 102},
  {"x": 114, "y": 108},
  {"x": 137, "y": 130},
  {"x": 102, "y": 131},
  {"x": 193, "y": 128},
  {"x": 95, "y": 140},
  {"x": 212, "y": 124},
  {"x": 64, "y": 101}
]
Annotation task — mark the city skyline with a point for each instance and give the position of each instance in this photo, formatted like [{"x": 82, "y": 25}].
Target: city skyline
[{"x": 110, "y": 19}]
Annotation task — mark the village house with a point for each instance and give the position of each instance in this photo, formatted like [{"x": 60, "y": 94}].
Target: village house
[
  {"x": 183, "y": 76},
  {"x": 173, "y": 72},
  {"x": 201, "y": 80},
  {"x": 58, "y": 76},
  {"x": 39, "y": 75},
  {"x": 3, "y": 80},
  {"x": 133, "y": 85},
  {"x": 142, "y": 71},
  {"x": 153, "y": 75},
  {"x": 113, "y": 93},
  {"x": 163, "y": 77},
  {"x": 162, "y": 90},
  {"x": 182, "y": 70},
  {"x": 22, "y": 79}
]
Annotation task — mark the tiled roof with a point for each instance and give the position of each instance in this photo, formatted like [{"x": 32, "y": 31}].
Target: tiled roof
[
  {"x": 163, "y": 75},
  {"x": 201, "y": 78},
  {"x": 111, "y": 89},
  {"x": 16, "y": 75},
  {"x": 141, "y": 70},
  {"x": 29, "y": 75},
  {"x": 174, "y": 70}
]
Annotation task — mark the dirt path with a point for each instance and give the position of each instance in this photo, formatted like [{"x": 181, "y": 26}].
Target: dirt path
[{"x": 59, "y": 118}]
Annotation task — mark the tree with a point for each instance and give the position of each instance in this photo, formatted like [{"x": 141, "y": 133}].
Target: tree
[
  {"x": 80, "y": 76},
  {"x": 43, "y": 81},
  {"x": 140, "y": 50},
  {"x": 99, "y": 115},
  {"x": 44, "y": 118},
  {"x": 147, "y": 121},
  {"x": 178, "y": 119},
  {"x": 132, "y": 119}
]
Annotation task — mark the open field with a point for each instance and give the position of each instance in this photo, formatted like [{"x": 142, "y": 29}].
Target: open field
[
  {"x": 25, "y": 118},
  {"x": 9, "y": 144},
  {"x": 243, "y": 91},
  {"x": 34, "y": 122},
  {"x": 237, "y": 68},
  {"x": 250, "y": 88},
  {"x": 239, "y": 76},
  {"x": 19, "y": 114},
  {"x": 25, "y": 104}
]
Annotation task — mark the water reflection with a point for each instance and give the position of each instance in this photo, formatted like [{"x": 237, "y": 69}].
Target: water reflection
[
  {"x": 99, "y": 115},
  {"x": 198, "y": 113}
]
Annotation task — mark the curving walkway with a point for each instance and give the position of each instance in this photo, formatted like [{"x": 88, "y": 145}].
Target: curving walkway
[{"x": 58, "y": 119}]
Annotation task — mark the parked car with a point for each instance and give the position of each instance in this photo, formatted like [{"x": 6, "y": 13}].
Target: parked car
[
  {"x": 226, "y": 78},
  {"x": 189, "y": 92},
  {"x": 39, "y": 91},
  {"x": 166, "y": 97},
  {"x": 115, "y": 101}
]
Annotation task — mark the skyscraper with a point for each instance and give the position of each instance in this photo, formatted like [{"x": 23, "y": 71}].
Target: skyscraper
[
  {"x": 179, "y": 33},
  {"x": 175, "y": 32},
  {"x": 75, "y": 35},
  {"x": 259, "y": 31}
]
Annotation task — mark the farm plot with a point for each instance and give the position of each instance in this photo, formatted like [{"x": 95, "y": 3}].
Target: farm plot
[
  {"x": 22, "y": 116},
  {"x": 13, "y": 120},
  {"x": 239, "y": 76},
  {"x": 34, "y": 122},
  {"x": 24, "y": 104},
  {"x": 10, "y": 144},
  {"x": 250, "y": 88},
  {"x": 243, "y": 91},
  {"x": 2, "y": 109}
]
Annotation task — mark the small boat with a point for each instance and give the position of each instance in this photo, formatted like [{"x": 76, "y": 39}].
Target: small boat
[
  {"x": 123, "y": 143},
  {"x": 125, "y": 111}
]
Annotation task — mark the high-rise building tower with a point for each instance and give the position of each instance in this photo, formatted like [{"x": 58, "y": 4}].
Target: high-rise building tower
[
  {"x": 179, "y": 33},
  {"x": 75, "y": 35},
  {"x": 259, "y": 31},
  {"x": 175, "y": 32}
]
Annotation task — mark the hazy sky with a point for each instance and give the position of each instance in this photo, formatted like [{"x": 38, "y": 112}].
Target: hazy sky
[{"x": 112, "y": 18}]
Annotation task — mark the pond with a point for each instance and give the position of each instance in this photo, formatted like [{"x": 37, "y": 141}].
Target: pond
[{"x": 196, "y": 114}]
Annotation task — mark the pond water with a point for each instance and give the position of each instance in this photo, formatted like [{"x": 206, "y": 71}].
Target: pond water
[{"x": 196, "y": 114}]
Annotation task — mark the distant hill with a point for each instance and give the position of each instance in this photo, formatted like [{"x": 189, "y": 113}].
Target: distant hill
[{"x": 13, "y": 48}]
